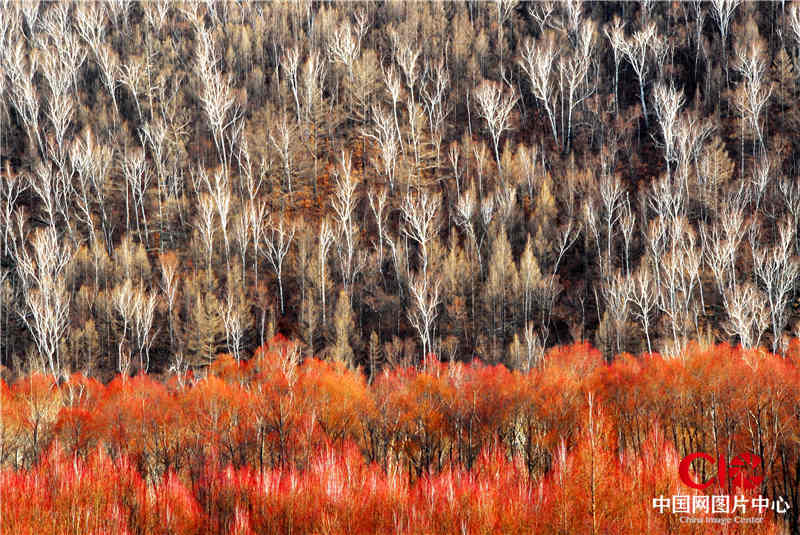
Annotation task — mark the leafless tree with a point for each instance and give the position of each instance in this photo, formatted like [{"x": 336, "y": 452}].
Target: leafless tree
[
  {"x": 385, "y": 136},
  {"x": 415, "y": 118},
  {"x": 615, "y": 33},
  {"x": 753, "y": 95},
  {"x": 221, "y": 193},
  {"x": 344, "y": 46},
  {"x": 44, "y": 184},
  {"x": 627, "y": 225},
  {"x": 378, "y": 200},
  {"x": 156, "y": 13},
  {"x": 616, "y": 292},
  {"x": 722, "y": 11},
  {"x": 250, "y": 181},
  {"x": 466, "y": 209},
  {"x": 394, "y": 88},
  {"x": 30, "y": 12},
  {"x": 667, "y": 200},
  {"x": 21, "y": 68},
  {"x": 637, "y": 51},
  {"x": 169, "y": 285},
  {"x": 119, "y": 11},
  {"x": 545, "y": 15},
  {"x": 92, "y": 163},
  {"x": 420, "y": 222},
  {"x": 534, "y": 349},
  {"x": 611, "y": 194},
  {"x": 91, "y": 24},
  {"x": 487, "y": 211},
  {"x": 537, "y": 62},
  {"x": 722, "y": 242},
  {"x": 566, "y": 236},
  {"x": 324, "y": 242},
  {"x": 480, "y": 154},
  {"x": 691, "y": 134},
  {"x": 154, "y": 135},
  {"x": 137, "y": 177},
  {"x": 778, "y": 269},
  {"x": 680, "y": 279},
  {"x": 256, "y": 215},
  {"x": 206, "y": 226},
  {"x": 698, "y": 6},
  {"x": 133, "y": 75},
  {"x": 747, "y": 314},
  {"x": 344, "y": 204},
  {"x": 84, "y": 194},
  {"x": 241, "y": 234},
  {"x": 668, "y": 102},
  {"x": 425, "y": 297},
  {"x": 70, "y": 54},
  {"x": 41, "y": 271},
  {"x": 282, "y": 137},
  {"x": 643, "y": 295},
  {"x": 11, "y": 186},
  {"x": 290, "y": 63},
  {"x": 574, "y": 72},
  {"x": 495, "y": 106},
  {"x": 234, "y": 330},
  {"x": 277, "y": 241},
  {"x": 794, "y": 22},
  {"x": 60, "y": 114},
  {"x": 454, "y": 155},
  {"x": 761, "y": 178},
  {"x": 313, "y": 82},
  {"x": 144, "y": 313},
  {"x": 790, "y": 191},
  {"x": 504, "y": 10},
  {"x": 406, "y": 55},
  {"x": 435, "y": 98},
  {"x": 107, "y": 61},
  {"x": 122, "y": 298},
  {"x": 217, "y": 99}
]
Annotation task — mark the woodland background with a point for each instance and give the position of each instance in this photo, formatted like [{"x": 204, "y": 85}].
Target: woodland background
[
  {"x": 383, "y": 181},
  {"x": 445, "y": 207}
]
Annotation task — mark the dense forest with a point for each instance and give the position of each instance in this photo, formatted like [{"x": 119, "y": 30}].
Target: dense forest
[
  {"x": 383, "y": 181},
  {"x": 396, "y": 195},
  {"x": 274, "y": 444}
]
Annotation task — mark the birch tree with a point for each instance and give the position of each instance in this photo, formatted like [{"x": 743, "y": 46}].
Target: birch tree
[
  {"x": 169, "y": 286},
  {"x": 615, "y": 33},
  {"x": 420, "y": 222},
  {"x": 277, "y": 241},
  {"x": 668, "y": 102},
  {"x": 42, "y": 273},
  {"x": 344, "y": 204},
  {"x": 11, "y": 186},
  {"x": 384, "y": 134},
  {"x": 637, "y": 51},
  {"x": 747, "y": 314},
  {"x": 722, "y": 12},
  {"x": 425, "y": 298},
  {"x": 495, "y": 106},
  {"x": 324, "y": 241},
  {"x": 642, "y": 294},
  {"x": 777, "y": 270}
]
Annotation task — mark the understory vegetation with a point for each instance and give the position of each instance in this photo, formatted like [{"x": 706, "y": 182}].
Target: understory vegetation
[{"x": 274, "y": 445}]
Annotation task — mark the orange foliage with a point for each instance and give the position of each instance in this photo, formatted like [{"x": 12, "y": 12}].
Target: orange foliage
[{"x": 275, "y": 445}]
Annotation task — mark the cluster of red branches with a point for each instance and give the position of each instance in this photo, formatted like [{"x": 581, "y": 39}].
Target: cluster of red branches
[{"x": 273, "y": 445}]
